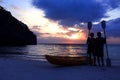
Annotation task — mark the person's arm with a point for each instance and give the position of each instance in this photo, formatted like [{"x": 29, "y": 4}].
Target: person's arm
[{"x": 88, "y": 40}]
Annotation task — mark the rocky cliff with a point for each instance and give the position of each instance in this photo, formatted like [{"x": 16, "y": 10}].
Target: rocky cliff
[{"x": 13, "y": 31}]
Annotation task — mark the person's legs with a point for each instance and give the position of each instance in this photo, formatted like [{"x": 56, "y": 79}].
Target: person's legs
[
  {"x": 98, "y": 60},
  {"x": 94, "y": 59},
  {"x": 102, "y": 60},
  {"x": 90, "y": 58}
]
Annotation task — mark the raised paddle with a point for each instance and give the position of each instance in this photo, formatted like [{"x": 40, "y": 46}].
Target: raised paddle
[
  {"x": 89, "y": 27},
  {"x": 108, "y": 60}
]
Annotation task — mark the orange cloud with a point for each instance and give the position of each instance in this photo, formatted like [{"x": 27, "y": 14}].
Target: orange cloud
[{"x": 67, "y": 34}]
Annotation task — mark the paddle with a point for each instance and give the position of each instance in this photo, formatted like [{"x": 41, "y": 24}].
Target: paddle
[
  {"x": 89, "y": 27},
  {"x": 108, "y": 60}
]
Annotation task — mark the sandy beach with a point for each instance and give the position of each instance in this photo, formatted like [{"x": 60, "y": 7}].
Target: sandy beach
[{"x": 17, "y": 69}]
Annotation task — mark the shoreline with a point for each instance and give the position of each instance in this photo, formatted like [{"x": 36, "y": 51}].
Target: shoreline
[{"x": 18, "y": 69}]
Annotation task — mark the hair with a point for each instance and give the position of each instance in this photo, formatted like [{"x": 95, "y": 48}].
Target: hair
[
  {"x": 99, "y": 34},
  {"x": 91, "y": 34}
]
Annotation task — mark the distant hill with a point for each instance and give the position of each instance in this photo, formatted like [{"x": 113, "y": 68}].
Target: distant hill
[{"x": 13, "y": 31}]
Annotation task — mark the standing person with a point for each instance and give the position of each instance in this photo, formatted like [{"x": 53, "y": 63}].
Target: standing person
[
  {"x": 100, "y": 41},
  {"x": 91, "y": 47}
]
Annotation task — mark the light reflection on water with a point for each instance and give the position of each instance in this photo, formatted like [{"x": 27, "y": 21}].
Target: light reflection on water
[
  {"x": 37, "y": 52},
  {"x": 67, "y": 49}
]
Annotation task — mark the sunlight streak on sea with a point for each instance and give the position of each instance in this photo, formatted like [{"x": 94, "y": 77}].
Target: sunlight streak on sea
[{"x": 37, "y": 52}]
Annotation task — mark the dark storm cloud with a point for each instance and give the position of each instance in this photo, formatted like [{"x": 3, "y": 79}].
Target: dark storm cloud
[
  {"x": 113, "y": 28},
  {"x": 70, "y": 12},
  {"x": 113, "y": 3},
  {"x": 1, "y": 0}
]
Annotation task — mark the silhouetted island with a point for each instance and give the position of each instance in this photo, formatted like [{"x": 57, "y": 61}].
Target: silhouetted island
[{"x": 13, "y": 31}]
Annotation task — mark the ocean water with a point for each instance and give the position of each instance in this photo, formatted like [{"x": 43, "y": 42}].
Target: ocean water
[{"x": 37, "y": 52}]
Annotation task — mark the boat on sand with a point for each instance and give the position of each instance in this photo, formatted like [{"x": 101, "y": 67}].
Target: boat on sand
[{"x": 67, "y": 60}]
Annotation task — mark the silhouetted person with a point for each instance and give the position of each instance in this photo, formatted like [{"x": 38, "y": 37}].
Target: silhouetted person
[
  {"x": 91, "y": 47},
  {"x": 100, "y": 41}
]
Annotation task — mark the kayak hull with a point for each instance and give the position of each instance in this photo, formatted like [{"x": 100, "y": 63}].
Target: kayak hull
[{"x": 67, "y": 60}]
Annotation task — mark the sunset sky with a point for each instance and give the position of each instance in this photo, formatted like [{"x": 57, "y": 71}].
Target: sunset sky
[{"x": 65, "y": 21}]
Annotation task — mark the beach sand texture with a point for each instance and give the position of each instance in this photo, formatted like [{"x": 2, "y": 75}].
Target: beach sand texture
[{"x": 17, "y": 69}]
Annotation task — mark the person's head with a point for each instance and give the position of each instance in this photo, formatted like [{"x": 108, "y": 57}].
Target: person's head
[
  {"x": 92, "y": 34},
  {"x": 99, "y": 34}
]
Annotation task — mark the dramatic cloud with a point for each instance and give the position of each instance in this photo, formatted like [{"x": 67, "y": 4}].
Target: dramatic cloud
[
  {"x": 71, "y": 12},
  {"x": 65, "y": 21},
  {"x": 114, "y": 28},
  {"x": 1, "y": 0},
  {"x": 113, "y": 3}
]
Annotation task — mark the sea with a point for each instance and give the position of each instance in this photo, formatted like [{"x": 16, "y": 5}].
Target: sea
[{"x": 38, "y": 52}]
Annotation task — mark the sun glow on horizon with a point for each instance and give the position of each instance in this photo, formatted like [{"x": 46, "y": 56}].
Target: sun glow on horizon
[{"x": 73, "y": 36}]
